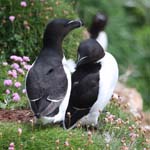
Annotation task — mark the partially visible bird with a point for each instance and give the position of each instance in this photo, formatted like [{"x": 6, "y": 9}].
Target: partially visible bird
[
  {"x": 95, "y": 31},
  {"x": 48, "y": 83},
  {"x": 93, "y": 83},
  {"x": 97, "y": 28}
]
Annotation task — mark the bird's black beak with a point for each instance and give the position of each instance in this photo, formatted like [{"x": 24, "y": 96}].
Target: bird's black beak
[{"x": 75, "y": 24}]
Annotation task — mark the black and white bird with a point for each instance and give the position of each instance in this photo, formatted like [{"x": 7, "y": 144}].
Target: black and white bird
[
  {"x": 97, "y": 29},
  {"x": 93, "y": 84},
  {"x": 48, "y": 83}
]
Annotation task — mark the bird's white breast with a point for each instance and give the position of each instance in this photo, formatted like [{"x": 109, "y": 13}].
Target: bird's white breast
[
  {"x": 102, "y": 40},
  {"x": 108, "y": 80}
]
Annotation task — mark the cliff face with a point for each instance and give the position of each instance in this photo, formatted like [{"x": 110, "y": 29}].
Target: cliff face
[{"x": 131, "y": 97}]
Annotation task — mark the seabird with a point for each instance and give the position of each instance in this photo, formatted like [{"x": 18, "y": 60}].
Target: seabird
[
  {"x": 48, "y": 82},
  {"x": 97, "y": 28},
  {"x": 93, "y": 84}
]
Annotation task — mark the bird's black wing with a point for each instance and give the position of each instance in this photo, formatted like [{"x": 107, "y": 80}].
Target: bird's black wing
[
  {"x": 83, "y": 95},
  {"x": 46, "y": 88}
]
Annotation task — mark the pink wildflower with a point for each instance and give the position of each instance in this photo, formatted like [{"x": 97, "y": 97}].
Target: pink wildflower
[
  {"x": 16, "y": 58},
  {"x": 11, "y": 146},
  {"x": 23, "y": 63},
  {"x": 7, "y": 91},
  {"x": 23, "y": 4},
  {"x": 11, "y": 18},
  {"x": 66, "y": 143},
  {"x": 15, "y": 66},
  {"x": 26, "y": 58},
  {"x": 21, "y": 71},
  {"x": 16, "y": 97},
  {"x": 8, "y": 82},
  {"x": 133, "y": 136},
  {"x": 27, "y": 67},
  {"x": 119, "y": 121},
  {"x": 17, "y": 84},
  {"x": 13, "y": 57},
  {"x": 12, "y": 73},
  {"x": 111, "y": 117}
]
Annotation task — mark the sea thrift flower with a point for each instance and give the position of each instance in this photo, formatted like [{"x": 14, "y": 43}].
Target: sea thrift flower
[
  {"x": 23, "y": 63},
  {"x": 27, "y": 67},
  {"x": 17, "y": 84},
  {"x": 111, "y": 118},
  {"x": 15, "y": 66},
  {"x": 16, "y": 97},
  {"x": 26, "y": 58},
  {"x": 19, "y": 59},
  {"x": 11, "y": 146},
  {"x": 119, "y": 121},
  {"x": 16, "y": 58},
  {"x": 21, "y": 71},
  {"x": 11, "y": 18},
  {"x": 12, "y": 73},
  {"x": 23, "y": 4},
  {"x": 66, "y": 143},
  {"x": 132, "y": 127},
  {"x": 133, "y": 136},
  {"x": 7, "y": 91},
  {"x": 89, "y": 133},
  {"x": 19, "y": 131},
  {"x": 8, "y": 82},
  {"x": 13, "y": 57}
]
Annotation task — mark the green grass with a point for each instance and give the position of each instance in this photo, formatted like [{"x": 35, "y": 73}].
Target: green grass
[{"x": 52, "y": 137}]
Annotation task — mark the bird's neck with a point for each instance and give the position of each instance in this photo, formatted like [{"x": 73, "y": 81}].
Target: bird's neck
[
  {"x": 53, "y": 44},
  {"x": 94, "y": 32}
]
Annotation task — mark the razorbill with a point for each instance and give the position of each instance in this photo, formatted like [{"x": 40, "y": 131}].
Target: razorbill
[
  {"x": 93, "y": 84},
  {"x": 97, "y": 28},
  {"x": 48, "y": 83}
]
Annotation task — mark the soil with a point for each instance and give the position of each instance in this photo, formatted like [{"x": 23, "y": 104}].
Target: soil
[{"x": 15, "y": 115}]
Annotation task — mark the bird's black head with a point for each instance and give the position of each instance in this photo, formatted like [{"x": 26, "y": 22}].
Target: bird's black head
[
  {"x": 89, "y": 51},
  {"x": 98, "y": 24},
  {"x": 57, "y": 29}
]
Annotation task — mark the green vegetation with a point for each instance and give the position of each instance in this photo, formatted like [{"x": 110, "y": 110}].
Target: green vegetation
[
  {"x": 116, "y": 130},
  {"x": 22, "y": 36},
  {"x": 22, "y": 27}
]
